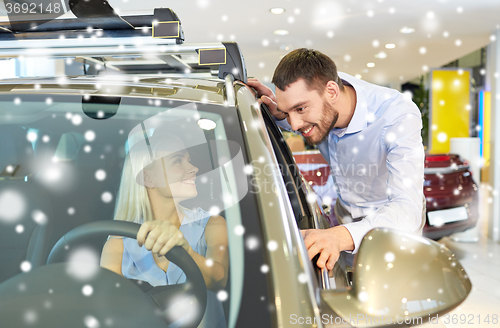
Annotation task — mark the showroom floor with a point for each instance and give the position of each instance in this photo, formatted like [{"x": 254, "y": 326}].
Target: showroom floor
[{"x": 481, "y": 261}]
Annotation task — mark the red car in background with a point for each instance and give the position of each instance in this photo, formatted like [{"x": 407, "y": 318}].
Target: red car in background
[{"x": 450, "y": 192}]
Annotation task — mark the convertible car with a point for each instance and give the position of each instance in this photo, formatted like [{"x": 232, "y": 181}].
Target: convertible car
[{"x": 65, "y": 144}]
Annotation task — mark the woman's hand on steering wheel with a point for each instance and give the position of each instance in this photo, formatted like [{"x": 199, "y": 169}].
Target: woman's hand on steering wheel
[{"x": 161, "y": 236}]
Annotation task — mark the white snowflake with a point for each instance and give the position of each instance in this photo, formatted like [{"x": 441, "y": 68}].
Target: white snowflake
[
  {"x": 32, "y": 136},
  {"x": 214, "y": 210},
  {"x": 89, "y": 135},
  {"x": 39, "y": 217},
  {"x": 442, "y": 137},
  {"x": 25, "y": 266},
  {"x": 106, "y": 197},
  {"x": 222, "y": 295},
  {"x": 12, "y": 206},
  {"x": 100, "y": 175},
  {"x": 311, "y": 198},
  {"x": 328, "y": 14},
  {"x": 83, "y": 264},
  {"x": 363, "y": 296},
  {"x": 30, "y": 317},
  {"x": 389, "y": 257},
  {"x": 91, "y": 322},
  {"x": 182, "y": 308},
  {"x": 239, "y": 230},
  {"x": 87, "y": 290},
  {"x": 302, "y": 277},
  {"x": 203, "y": 3},
  {"x": 272, "y": 245},
  {"x": 252, "y": 243}
]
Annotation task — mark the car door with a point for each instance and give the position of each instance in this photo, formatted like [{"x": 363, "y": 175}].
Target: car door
[{"x": 308, "y": 214}]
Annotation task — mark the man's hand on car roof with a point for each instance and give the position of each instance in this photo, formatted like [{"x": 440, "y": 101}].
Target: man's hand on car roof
[{"x": 267, "y": 97}]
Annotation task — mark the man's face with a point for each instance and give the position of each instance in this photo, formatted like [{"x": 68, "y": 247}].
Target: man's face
[{"x": 308, "y": 111}]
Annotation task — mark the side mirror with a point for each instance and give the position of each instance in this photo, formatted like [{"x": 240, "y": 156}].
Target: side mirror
[{"x": 399, "y": 278}]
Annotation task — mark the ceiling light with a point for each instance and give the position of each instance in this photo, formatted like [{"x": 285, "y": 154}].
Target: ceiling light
[
  {"x": 358, "y": 76},
  {"x": 277, "y": 11},
  {"x": 381, "y": 55},
  {"x": 407, "y": 30},
  {"x": 206, "y": 124},
  {"x": 370, "y": 65},
  {"x": 390, "y": 46},
  {"x": 281, "y": 32}
]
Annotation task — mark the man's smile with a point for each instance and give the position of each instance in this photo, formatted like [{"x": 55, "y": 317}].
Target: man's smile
[{"x": 308, "y": 132}]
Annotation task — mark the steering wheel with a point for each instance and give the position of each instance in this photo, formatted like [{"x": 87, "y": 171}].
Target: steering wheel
[{"x": 162, "y": 295}]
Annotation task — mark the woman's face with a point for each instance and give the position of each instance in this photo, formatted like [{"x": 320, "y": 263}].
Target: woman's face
[{"x": 173, "y": 175}]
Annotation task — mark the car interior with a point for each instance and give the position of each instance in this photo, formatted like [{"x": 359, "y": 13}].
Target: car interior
[{"x": 55, "y": 178}]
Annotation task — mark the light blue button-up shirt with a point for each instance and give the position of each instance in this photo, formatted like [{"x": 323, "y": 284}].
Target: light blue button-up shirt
[{"x": 377, "y": 161}]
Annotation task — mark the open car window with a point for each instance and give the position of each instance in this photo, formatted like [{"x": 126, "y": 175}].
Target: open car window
[{"x": 291, "y": 175}]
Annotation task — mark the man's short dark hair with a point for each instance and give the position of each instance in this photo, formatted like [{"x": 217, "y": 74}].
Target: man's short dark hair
[{"x": 313, "y": 66}]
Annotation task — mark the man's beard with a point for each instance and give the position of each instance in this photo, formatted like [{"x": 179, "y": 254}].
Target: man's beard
[{"x": 328, "y": 120}]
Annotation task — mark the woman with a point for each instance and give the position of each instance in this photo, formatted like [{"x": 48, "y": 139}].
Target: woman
[{"x": 149, "y": 194}]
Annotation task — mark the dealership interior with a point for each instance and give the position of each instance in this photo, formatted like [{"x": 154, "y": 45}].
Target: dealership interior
[{"x": 443, "y": 54}]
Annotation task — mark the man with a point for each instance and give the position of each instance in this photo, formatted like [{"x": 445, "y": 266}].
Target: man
[{"x": 370, "y": 136}]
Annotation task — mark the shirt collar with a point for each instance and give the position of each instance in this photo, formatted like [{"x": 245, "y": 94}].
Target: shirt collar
[{"x": 359, "y": 120}]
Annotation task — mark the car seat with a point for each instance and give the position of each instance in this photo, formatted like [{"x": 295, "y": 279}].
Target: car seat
[{"x": 25, "y": 209}]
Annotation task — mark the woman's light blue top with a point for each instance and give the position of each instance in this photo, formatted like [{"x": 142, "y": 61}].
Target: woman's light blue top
[{"x": 138, "y": 263}]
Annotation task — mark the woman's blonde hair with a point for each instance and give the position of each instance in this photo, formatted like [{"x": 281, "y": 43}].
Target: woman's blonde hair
[{"x": 132, "y": 201}]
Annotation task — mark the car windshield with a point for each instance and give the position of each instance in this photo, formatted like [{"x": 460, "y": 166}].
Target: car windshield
[{"x": 64, "y": 161}]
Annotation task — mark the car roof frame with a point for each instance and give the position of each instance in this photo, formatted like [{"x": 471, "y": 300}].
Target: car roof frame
[{"x": 75, "y": 38}]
